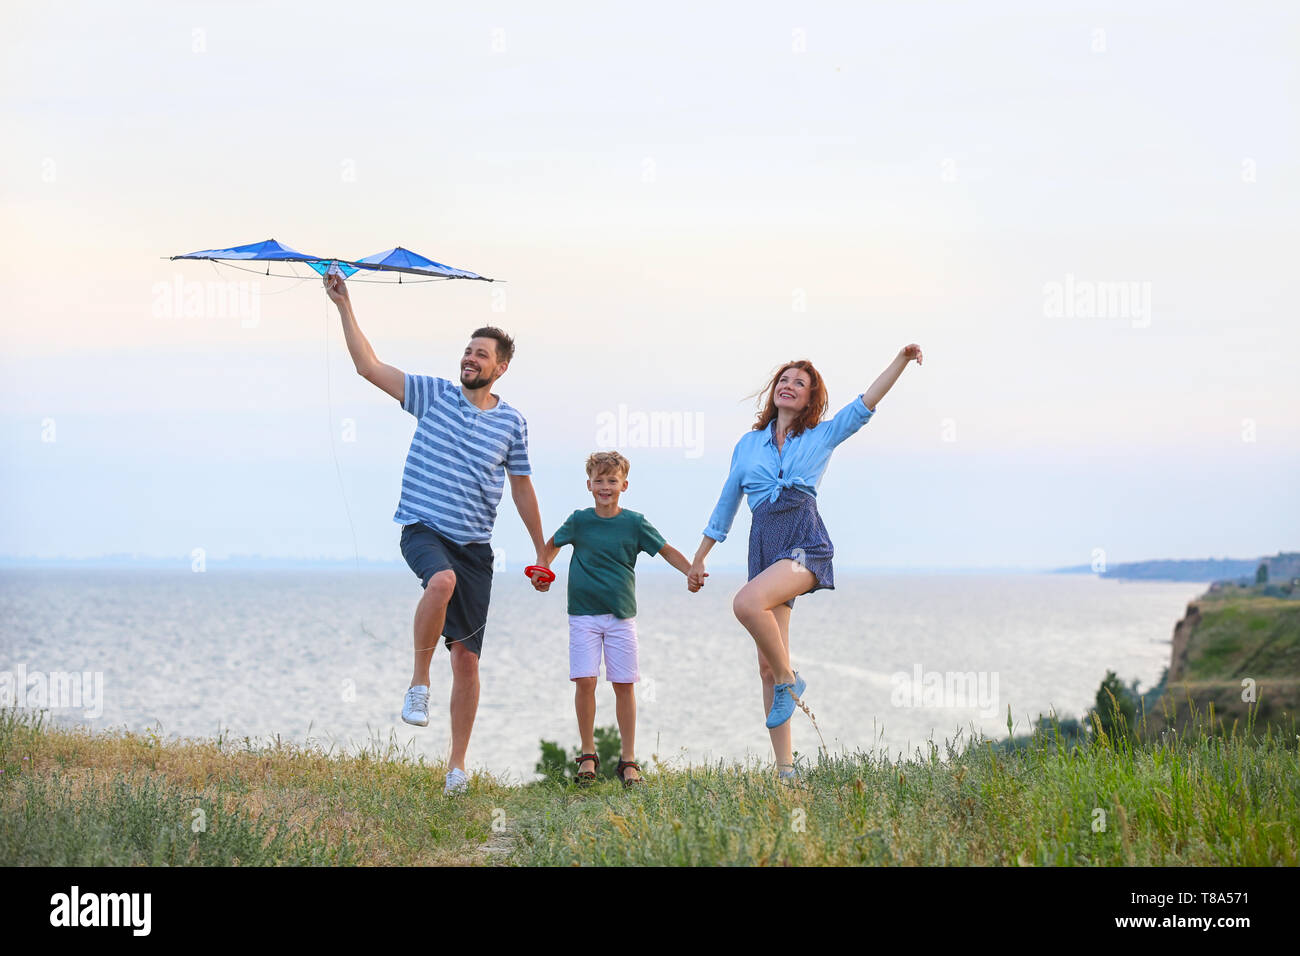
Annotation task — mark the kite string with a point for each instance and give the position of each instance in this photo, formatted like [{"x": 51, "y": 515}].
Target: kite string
[
  {"x": 338, "y": 471},
  {"x": 301, "y": 279}
]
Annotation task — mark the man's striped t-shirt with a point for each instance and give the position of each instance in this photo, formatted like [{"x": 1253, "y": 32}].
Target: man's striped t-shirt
[{"x": 455, "y": 471}]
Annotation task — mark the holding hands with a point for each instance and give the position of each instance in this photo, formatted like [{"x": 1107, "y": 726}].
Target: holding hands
[{"x": 540, "y": 575}]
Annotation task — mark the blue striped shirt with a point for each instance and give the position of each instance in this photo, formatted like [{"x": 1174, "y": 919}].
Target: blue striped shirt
[
  {"x": 760, "y": 471},
  {"x": 460, "y": 454}
]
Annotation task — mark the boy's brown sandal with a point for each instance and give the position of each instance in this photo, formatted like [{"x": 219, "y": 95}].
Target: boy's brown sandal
[
  {"x": 585, "y": 778},
  {"x": 623, "y": 765}
]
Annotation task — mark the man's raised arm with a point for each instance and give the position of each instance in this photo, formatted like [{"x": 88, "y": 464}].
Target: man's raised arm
[{"x": 391, "y": 380}]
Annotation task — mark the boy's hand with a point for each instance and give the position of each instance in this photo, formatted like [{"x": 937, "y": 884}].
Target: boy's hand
[
  {"x": 539, "y": 581},
  {"x": 695, "y": 577}
]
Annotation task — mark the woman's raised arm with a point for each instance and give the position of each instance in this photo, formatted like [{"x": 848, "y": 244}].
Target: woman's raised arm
[{"x": 885, "y": 381}]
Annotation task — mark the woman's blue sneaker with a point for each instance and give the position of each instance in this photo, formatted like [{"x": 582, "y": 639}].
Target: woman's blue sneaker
[{"x": 783, "y": 701}]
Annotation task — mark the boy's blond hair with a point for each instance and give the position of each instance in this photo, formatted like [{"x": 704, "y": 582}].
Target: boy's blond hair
[{"x": 601, "y": 462}]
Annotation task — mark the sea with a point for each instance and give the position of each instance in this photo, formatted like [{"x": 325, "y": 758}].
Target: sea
[{"x": 893, "y": 661}]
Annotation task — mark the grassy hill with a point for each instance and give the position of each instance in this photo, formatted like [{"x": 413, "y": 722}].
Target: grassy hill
[
  {"x": 71, "y": 798},
  {"x": 1209, "y": 779}
]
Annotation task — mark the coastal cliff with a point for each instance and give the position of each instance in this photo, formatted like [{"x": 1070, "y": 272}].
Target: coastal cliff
[
  {"x": 1183, "y": 631},
  {"x": 1237, "y": 646}
]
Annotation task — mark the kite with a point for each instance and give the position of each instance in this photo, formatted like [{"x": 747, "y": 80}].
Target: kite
[{"x": 396, "y": 261}]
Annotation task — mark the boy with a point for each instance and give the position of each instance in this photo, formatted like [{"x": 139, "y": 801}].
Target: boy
[{"x": 606, "y": 541}]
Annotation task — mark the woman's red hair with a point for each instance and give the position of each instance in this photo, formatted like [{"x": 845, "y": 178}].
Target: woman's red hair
[{"x": 817, "y": 399}]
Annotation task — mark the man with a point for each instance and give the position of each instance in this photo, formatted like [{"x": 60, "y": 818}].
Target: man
[{"x": 467, "y": 441}]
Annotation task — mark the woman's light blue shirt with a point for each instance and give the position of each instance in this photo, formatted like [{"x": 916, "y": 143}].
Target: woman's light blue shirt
[{"x": 760, "y": 471}]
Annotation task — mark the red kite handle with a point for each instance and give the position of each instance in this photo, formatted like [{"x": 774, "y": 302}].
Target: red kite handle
[{"x": 547, "y": 574}]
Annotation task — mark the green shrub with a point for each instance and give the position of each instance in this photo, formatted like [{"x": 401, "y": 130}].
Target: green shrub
[{"x": 556, "y": 767}]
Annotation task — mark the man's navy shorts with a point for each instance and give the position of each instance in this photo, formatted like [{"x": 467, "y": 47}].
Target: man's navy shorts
[{"x": 428, "y": 552}]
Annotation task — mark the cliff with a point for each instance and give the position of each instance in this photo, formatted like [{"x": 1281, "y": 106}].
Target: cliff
[{"x": 1236, "y": 646}]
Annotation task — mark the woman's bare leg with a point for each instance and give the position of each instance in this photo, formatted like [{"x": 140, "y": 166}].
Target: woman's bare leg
[
  {"x": 760, "y": 606},
  {"x": 753, "y": 606},
  {"x": 781, "y": 743}
]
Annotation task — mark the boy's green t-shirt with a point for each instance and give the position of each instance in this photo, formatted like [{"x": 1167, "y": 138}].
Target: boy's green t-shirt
[{"x": 602, "y": 570}]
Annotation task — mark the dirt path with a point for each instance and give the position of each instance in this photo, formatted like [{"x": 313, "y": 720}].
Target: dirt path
[{"x": 497, "y": 850}]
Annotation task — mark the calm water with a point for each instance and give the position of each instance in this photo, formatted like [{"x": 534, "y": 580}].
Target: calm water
[{"x": 326, "y": 654}]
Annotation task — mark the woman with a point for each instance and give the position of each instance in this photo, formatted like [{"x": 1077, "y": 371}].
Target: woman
[{"x": 779, "y": 465}]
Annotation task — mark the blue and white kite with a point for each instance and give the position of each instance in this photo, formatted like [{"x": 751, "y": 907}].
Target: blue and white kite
[{"x": 397, "y": 260}]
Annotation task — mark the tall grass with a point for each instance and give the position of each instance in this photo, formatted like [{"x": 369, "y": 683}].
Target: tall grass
[
  {"x": 68, "y": 797},
  {"x": 146, "y": 819},
  {"x": 1188, "y": 799},
  {"x": 1205, "y": 795}
]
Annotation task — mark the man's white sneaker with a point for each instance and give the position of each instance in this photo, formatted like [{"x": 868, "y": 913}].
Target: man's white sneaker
[
  {"x": 415, "y": 709},
  {"x": 457, "y": 781}
]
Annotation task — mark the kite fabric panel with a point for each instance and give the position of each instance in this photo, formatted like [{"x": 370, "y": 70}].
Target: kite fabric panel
[
  {"x": 404, "y": 260},
  {"x": 332, "y": 267},
  {"x": 268, "y": 249}
]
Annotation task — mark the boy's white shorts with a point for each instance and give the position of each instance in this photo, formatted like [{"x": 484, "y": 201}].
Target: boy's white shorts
[{"x": 588, "y": 633}]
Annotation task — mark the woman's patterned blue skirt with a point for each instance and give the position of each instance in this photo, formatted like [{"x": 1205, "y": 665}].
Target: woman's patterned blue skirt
[{"x": 790, "y": 527}]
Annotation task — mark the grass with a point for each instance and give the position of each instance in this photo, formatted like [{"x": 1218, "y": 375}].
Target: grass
[
  {"x": 68, "y": 797},
  {"x": 1193, "y": 797},
  {"x": 1244, "y": 635}
]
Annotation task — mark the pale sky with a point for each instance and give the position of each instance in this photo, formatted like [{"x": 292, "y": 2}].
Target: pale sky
[{"x": 681, "y": 198}]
